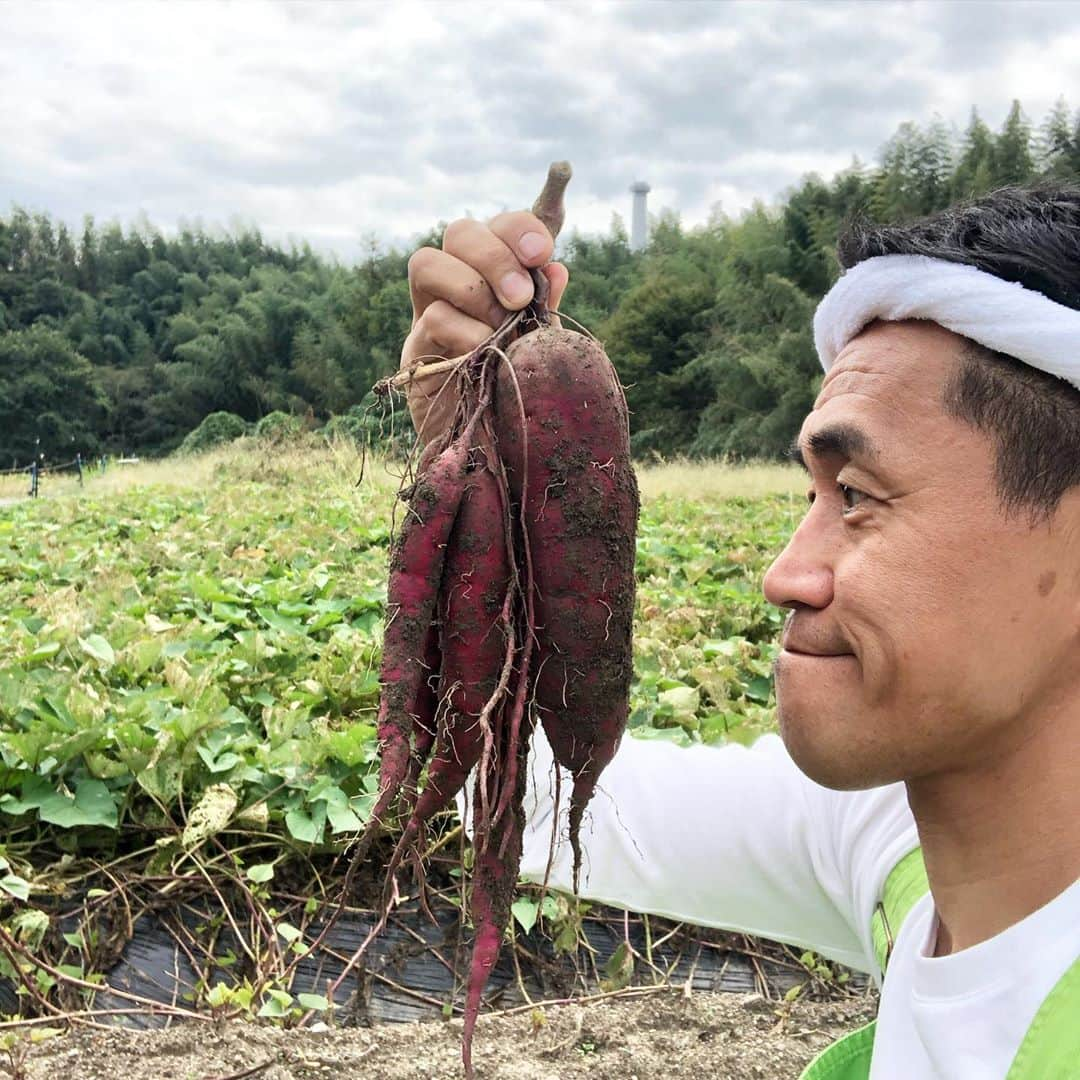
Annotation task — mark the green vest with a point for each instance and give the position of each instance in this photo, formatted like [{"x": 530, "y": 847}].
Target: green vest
[{"x": 1051, "y": 1047}]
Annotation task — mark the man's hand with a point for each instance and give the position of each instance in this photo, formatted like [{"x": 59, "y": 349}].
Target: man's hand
[{"x": 462, "y": 293}]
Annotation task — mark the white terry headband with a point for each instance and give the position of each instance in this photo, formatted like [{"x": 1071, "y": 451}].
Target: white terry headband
[{"x": 1002, "y": 315}]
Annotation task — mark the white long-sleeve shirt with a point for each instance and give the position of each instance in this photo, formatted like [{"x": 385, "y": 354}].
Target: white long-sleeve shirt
[{"x": 738, "y": 838}]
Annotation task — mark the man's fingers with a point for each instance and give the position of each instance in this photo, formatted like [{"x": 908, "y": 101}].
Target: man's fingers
[
  {"x": 461, "y": 293},
  {"x": 435, "y": 275},
  {"x": 477, "y": 246},
  {"x": 442, "y": 331},
  {"x": 525, "y": 235},
  {"x": 558, "y": 277}
]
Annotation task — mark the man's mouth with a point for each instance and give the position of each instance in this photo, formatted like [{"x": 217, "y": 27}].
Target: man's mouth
[
  {"x": 795, "y": 650},
  {"x": 795, "y": 640}
]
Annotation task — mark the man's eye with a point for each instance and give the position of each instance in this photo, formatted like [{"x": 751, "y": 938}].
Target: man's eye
[{"x": 851, "y": 497}]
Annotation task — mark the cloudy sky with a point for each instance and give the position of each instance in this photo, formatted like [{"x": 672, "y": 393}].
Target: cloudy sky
[{"x": 337, "y": 121}]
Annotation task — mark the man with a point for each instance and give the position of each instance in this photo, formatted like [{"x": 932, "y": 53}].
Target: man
[{"x": 928, "y": 689}]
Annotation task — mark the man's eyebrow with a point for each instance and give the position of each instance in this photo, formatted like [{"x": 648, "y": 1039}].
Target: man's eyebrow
[{"x": 836, "y": 440}]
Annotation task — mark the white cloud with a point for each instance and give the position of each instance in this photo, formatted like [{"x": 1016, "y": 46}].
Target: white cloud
[{"x": 333, "y": 121}]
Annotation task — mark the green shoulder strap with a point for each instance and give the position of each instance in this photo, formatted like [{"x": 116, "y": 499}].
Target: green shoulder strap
[
  {"x": 846, "y": 1059},
  {"x": 905, "y": 885},
  {"x": 849, "y": 1057},
  {"x": 1051, "y": 1047}
]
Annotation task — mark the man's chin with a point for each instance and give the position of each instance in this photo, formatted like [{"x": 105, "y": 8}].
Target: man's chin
[{"x": 828, "y": 752}]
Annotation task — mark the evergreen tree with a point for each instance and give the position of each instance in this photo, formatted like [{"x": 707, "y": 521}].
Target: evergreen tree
[
  {"x": 1013, "y": 162},
  {"x": 1058, "y": 152},
  {"x": 975, "y": 169}
]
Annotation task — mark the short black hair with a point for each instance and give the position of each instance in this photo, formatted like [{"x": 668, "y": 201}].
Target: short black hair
[{"x": 1030, "y": 235}]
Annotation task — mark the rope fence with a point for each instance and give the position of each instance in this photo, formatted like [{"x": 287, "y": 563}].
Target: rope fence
[{"x": 38, "y": 468}]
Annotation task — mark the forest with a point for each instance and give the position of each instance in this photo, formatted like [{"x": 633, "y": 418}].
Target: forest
[{"x": 119, "y": 339}]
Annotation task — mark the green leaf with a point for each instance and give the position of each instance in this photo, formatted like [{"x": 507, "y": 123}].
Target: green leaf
[
  {"x": 683, "y": 701},
  {"x": 15, "y": 886},
  {"x": 342, "y": 819},
  {"x": 354, "y": 745},
  {"x": 30, "y": 927},
  {"x": 308, "y": 828},
  {"x": 76, "y": 745},
  {"x": 222, "y": 763},
  {"x": 218, "y": 995},
  {"x": 276, "y": 1004},
  {"x": 338, "y": 811},
  {"x": 281, "y": 623},
  {"x": 41, "y": 1034},
  {"x": 30, "y": 746},
  {"x": 759, "y": 689},
  {"x": 162, "y": 780},
  {"x": 56, "y": 712},
  {"x": 525, "y": 910},
  {"x": 156, "y": 625},
  {"x": 11, "y": 805},
  {"x": 550, "y": 907},
  {"x": 619, "y": 970},
  {"x": 45, "y": 651},
  {"x": 316, "y": 1002},
  {"x": 260, "y": 873},
  {"x": 97, "y": 647},
  {"x": 230, "y": 613},
  {"x": 672, "y": 734},
  {"x": 728, "y": 648},
  {"x": 93, "y": 804}
]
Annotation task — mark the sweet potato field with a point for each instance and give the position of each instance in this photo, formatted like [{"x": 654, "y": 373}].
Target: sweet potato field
[{"x": 189, "y": 657}]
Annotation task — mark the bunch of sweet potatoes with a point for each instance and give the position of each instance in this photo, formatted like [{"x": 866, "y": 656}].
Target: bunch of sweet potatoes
[{"x": 510, "y": 602}]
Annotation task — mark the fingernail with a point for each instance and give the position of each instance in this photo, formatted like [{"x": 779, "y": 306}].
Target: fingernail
[
  {"x": 531, "y": 245},
  {"x": 516, "y": 288}
]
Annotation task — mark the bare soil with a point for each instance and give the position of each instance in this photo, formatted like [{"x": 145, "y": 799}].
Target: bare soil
[{"x": 647, "y": 1037}]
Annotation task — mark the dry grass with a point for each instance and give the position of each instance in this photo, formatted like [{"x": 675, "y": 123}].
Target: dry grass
[
  {"x": 336, "y": 468},
  {"x": 172, "y": 473},
  {"x": 716, "y": 479}
]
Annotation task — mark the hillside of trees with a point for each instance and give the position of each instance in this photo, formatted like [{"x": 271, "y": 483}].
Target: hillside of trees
[{"x": 123, "y": 340}]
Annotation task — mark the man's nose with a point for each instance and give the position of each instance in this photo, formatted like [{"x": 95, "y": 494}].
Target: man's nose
[{"x": 802, "y": 575}]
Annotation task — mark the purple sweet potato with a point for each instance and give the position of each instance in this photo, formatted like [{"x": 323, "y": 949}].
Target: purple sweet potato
[
  {"x": 416, "y": 564},
  {"x": 569, "y": 466},
  {"x": 474, "y": 629}
]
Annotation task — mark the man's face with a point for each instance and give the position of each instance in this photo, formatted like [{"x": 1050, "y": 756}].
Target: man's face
[{"x": 929, "y": 632}]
